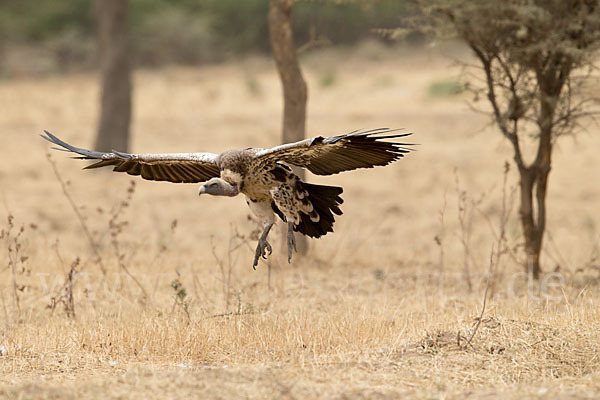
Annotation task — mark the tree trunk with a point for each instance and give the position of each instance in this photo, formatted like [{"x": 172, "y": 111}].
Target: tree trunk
[
  {"x": 536, "y": 177},
  {"x": 530, "y": 230},
  {"x": 114, "y": 56},
  {"x": 294, "y": 86}
]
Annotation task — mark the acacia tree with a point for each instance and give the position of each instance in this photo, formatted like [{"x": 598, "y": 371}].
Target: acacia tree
[
  {"x": 115, "y": 65},
  {"x": 535, "y": 57},
  {"x": 295, "y": 92}
]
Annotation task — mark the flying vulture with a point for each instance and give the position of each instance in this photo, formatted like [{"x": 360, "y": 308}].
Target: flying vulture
[{"x": 264, "y": 176}]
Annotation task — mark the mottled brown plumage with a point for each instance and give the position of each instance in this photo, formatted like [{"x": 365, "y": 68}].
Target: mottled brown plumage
[{"x": 264, "y": 177}]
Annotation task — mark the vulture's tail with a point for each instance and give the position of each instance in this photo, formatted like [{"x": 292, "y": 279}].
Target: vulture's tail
[{"x": 326, "y": 201}]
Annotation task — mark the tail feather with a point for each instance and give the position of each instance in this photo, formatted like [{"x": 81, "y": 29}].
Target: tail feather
[{"x": 326, "y": 201}]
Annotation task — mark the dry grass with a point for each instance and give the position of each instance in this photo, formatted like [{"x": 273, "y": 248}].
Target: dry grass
[{"x": 380, "y": 309}]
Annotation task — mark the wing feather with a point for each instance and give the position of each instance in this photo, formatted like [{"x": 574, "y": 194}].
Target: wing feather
[
  {"x": 331, "y": 155},
  {"x": 135, "y": 169},
  {"x": 147, "y": 172},
  {"x": 124, "y": 167},
  {"x": 174, "y": 167}
]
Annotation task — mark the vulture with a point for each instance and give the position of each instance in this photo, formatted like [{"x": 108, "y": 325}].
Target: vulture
[{"x": 264, "y": 176}]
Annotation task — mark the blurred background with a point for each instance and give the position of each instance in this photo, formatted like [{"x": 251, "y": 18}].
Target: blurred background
[
  {"x": 189, "y": 75},
  {"x": 137, "y": 288},
  {"x": 60, "y": 37}
]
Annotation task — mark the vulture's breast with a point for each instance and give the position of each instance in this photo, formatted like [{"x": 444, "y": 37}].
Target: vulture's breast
[{"x": 257, "y": 184}]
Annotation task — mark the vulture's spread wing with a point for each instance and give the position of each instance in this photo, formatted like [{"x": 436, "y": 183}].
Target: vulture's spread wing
[
  {"x": 330, "y": 155},
  {"x": 174, "y": 167}
]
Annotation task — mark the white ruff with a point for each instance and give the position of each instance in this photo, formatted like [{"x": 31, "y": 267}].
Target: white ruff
[{"x": 231, "y": 177}]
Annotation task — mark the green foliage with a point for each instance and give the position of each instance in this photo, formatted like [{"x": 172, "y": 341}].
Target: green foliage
[
  {"x": 173, "y": 35},
  {"x": 530, "y": 53},
  {"x": 327, "y": 79},
  {"x": 191, "y": 31},
  {"x": 28, "y": 20},
  {"x": 528, "y": 33},
  {"x": 446, "y": 88},
  {"x": 239, "y": 26},
  {"x": 346, "y": 21}
]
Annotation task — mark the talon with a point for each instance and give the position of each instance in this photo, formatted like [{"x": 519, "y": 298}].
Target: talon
[
  {"x": 269, "y": 248},
  {"x": 262, "y": 247},
  {"x": 266, "y": 247}
]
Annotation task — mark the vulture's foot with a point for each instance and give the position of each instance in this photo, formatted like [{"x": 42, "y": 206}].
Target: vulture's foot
[
  {"x": 262, "y": 247},
  {"x": 291, "y": 241}
]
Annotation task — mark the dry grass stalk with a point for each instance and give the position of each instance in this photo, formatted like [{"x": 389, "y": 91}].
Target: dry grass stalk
[
  {"x": 4, "y": 308},
  {"x": 366, "y": 316},
  {"x": 506, "y": 208},
  {"x": 440, "y": 237},
  {"x": 16, "y": 260},
  {"x": 485, "y": 295},
  {"x": 180, "y": 297},
  {"x": 235, "y": 243},
  {"x": 115, "y": 228},
  {"x": 65, "y": 293},
  {"x": 86, "y": 230},
  {"x": 465, "y": 231}
]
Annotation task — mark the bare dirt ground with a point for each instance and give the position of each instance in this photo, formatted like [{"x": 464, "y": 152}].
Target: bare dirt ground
[{"x": 382, "y": 308}]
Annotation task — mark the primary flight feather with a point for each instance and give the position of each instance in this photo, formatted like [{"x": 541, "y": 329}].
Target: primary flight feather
[{"x": 264, "y": 175}]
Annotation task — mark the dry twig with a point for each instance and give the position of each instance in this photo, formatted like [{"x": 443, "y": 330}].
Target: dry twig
[
  {"x": 487, "y": 287},
  {"x": 65, "y": 295}
]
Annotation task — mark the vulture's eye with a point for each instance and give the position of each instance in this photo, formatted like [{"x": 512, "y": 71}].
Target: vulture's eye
[{"x": 213, "y": 185}]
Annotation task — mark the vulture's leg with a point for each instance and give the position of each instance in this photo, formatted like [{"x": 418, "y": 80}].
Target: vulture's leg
[
  {"x": 263, "y": 246},
  {"x": 291, "y": 241},
  {"x": 264, "y": 212}
]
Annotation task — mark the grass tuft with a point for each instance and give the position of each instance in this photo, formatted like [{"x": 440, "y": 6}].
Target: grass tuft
[{"x": 446, "y": 88}]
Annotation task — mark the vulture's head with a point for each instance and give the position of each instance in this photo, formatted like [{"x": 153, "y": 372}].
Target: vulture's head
[{"x": 218, "y": 187}]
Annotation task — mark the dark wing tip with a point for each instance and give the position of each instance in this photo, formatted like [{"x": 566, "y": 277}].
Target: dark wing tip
[
  {"x": 376, "y": 131},
  {"x": 372, "y": 134}
]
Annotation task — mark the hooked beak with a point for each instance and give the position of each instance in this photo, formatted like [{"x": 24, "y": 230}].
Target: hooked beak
[{"x": 202, "y": 190}]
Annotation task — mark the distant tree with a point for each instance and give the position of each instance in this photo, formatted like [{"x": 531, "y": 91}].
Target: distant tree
[
  {"x": 295, "y": 92},
  {"x": 535, "y": 56},
  {"x": 115, "y": 64}
]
